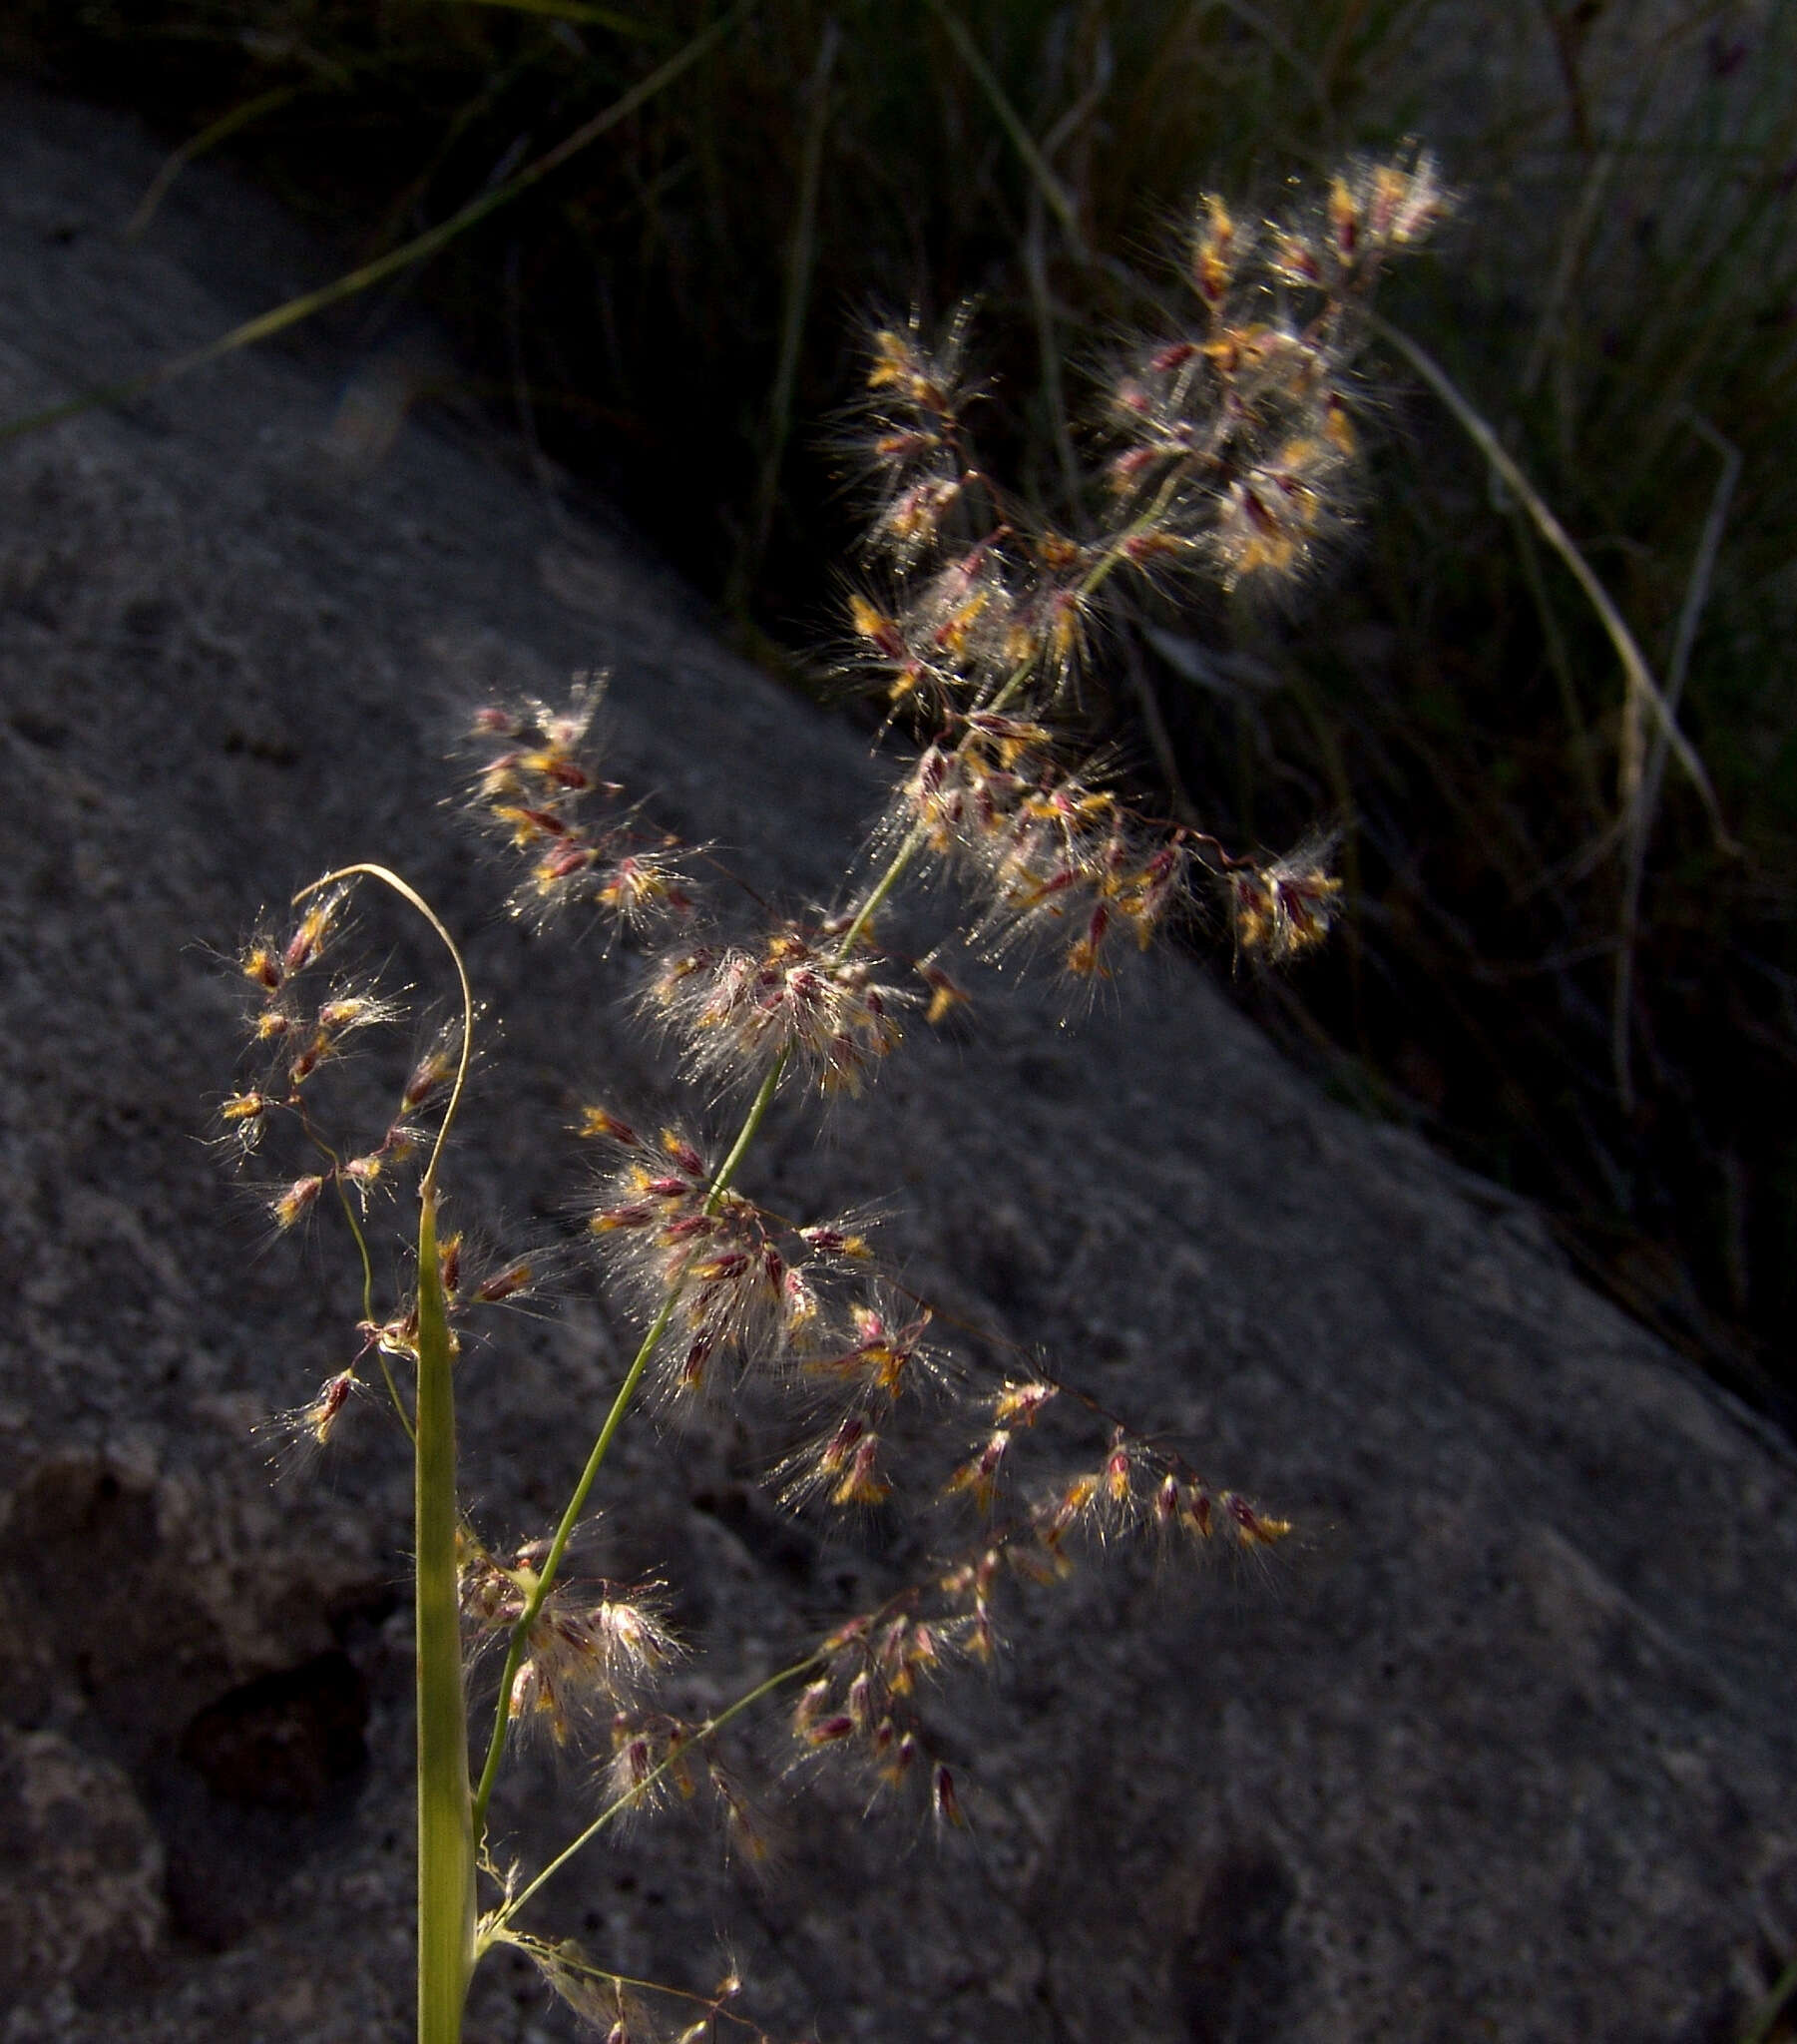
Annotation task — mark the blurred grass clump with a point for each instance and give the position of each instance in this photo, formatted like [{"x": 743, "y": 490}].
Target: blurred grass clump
[{"x": 1554, "y": 962}]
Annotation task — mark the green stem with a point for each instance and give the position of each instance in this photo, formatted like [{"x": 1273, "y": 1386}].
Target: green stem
[
  {"x": 877, "y": 894},
  {"x": 445, "y": 1832},
  {"x": 1117, "y": 552},
  {"x": 751, "y": 1127},
  {"x": 445, "y": 1822}
]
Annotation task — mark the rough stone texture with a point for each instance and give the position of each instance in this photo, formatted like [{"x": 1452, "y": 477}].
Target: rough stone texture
[
  {"x": 94, "y": 1903},
  {"x": 1511, "y": 1756}
]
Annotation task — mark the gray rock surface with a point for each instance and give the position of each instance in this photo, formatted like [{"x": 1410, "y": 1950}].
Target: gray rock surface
[{"x": 1510, "y": 1756}]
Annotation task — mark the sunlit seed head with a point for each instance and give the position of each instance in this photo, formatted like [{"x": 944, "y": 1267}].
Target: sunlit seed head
[
  {"x": 428, "y": 1077},
  {"x": 503, "y": 1284},
  {"x": 293, "y": 1204},
  {"x": 261, "y": 965},
  {"x": 1019, "y": 1403}
]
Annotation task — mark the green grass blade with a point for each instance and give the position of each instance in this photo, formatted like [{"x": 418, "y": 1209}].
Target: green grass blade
[
  {"x": 1644, "y": 701},
  {"x": 196, "y": 145},
  {"x": 1770, "y": 2010},
  {"x": 801, "y": 259},
  {"x": 1050, "y": 187},
  {"x": 266, "y": 324}
]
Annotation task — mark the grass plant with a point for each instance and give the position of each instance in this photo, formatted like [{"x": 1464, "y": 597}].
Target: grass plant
[
  {"x": 1545, "y": 940},
  {"x": 1230, "y": 444},
  {"x": 1564, "y": 939}
]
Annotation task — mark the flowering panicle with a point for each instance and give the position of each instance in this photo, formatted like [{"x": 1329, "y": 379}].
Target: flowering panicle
[
  {"x": 862, "y": 1697},
  {"x": 487, "y": 1281},
  {"x": 866, "y": 1356},
  {"x": 747, "y": 1288},
  {"x": 916, "y": 399},
  {"x": 1138, "y": 1486},
  {"x": 1056, "y": 860},
  {"x": 797, "y": 999},
  {"x": 657, "y": 1760},
  {"x": 1233, "y": 445},
  {"x": 291, "y": 1028},
  {"x": 1233, "y": 448},
  {"x": 885, "y": 1353},
  {"x": 303, "y": 1018},
  {"x": 669, "y": 1238},
  {"x": 537, "y": 788},
  {"x": 1137, "y": 1489},
  {"x": 1234, "y": 442},
  {"x": 1283, "y": 908},
  {"x": 979, "y": 589},
  {"x": 300, "y": 1029},
  {"x": 584, "y": 1655},
  {"x": 1055, "y": 857},
  {"x": 654, "y": 1757},
  {"x": 862, "y": 1702}
]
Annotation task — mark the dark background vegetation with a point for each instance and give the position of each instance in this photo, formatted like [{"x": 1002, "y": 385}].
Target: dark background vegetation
[{"x": 670, "y": 316}]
